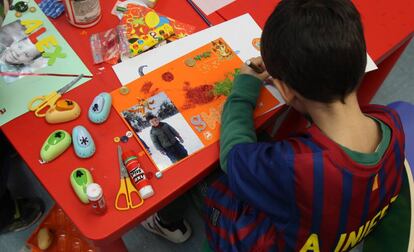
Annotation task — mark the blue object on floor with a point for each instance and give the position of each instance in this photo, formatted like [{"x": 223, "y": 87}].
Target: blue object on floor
[
  {"x": 52, "y": 8},
  {"x": 406, "y": 112}
]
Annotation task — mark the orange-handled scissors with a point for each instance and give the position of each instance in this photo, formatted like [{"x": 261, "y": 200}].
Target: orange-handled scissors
[
  {"x": 128, "y": 197},
  {"x": 39, "y": 103}
]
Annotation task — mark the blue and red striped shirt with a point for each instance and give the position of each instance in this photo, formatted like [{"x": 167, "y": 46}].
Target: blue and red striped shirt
[{"x": 303, "y": 194}]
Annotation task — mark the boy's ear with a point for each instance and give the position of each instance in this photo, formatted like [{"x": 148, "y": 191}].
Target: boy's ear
[{"x": 287, "y": 93}]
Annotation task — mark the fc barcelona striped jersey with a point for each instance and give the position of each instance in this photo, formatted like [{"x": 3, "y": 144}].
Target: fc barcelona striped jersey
[{"x": 304, "y": 193}]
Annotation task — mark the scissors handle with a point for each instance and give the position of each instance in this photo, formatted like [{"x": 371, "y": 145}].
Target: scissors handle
[
  {"x": 39, "y": 103},
  {"x": 127, "y": 192},
  {"x": 122, "y": 194},
  {"x": 133, "y": 194}
]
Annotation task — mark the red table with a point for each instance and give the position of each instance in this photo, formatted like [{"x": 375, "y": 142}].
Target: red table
[{"x": 388, "y": 28}]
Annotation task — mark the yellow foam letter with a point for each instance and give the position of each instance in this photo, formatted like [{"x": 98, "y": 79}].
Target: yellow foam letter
[
  {"x": 31, "y": 25},
  {"x": 46, "y": 42},
  {"x": 312, "y": 244}
]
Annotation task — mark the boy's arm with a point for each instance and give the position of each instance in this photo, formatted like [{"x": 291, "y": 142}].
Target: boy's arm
[
  {"x": 237, "y": 125},
  {"x": 174, "y": 131}
]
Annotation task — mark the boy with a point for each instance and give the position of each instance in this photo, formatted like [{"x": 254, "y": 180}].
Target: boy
[
  {"x": 166, "y": 139},
  {"x": 328, "y": 187}
]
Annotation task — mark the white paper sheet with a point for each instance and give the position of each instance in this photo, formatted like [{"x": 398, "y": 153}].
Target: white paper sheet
[
  {"x": 238, "y": 33},
  {"x": 210, "y": 6}
]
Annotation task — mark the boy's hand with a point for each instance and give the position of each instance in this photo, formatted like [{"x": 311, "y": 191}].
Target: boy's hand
[{"x": 245, "y": 69}]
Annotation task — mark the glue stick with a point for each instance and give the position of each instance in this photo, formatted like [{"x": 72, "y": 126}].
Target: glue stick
[{"x": 137, "y": 174}]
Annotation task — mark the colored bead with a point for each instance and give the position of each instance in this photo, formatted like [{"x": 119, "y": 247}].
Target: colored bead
[
  {"x": 190, "y": 62},
  {"x": 21, "y": 6},
  {"x": 124, "y": 90},
  {"x": 158, "y": 174},
  {"x": 124, "y": 139},
  {"x": 117, "y": 139},
  {"x": 129, "y": 134}
]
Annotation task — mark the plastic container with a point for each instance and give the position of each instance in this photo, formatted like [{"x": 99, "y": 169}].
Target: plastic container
[
  {"x": 66, "y": 237},
  {"x": 137, "y": 174},
  {"x": 96, "y": 198},
  {"x": 150, "y": 3},
  {"x": 83, "y": 13}
]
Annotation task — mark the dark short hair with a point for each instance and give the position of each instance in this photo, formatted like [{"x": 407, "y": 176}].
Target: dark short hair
[
  {"x": 149, "y": 116},
  {"x": 316, "y": 47}
]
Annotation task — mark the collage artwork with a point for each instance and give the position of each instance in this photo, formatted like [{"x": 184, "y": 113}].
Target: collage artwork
[{"x": 175, "y": 110}]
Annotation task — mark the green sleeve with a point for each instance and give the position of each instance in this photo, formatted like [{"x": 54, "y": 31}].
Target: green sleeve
[{"x": 237, "y": 125}]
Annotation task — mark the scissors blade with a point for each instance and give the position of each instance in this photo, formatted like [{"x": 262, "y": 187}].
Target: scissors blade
[
  {"x": 70, "y": 84},
  {"x": 122, "y": 168}
]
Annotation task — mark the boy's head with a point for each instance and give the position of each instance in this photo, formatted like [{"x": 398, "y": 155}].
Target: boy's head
[
  {"x": 22, "y": 52},
  {"x": 315, "y": 47},
  {"x": 152, "y": 119}
]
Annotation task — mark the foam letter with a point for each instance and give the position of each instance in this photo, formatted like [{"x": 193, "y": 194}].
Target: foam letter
[
  {"x": 199, "y": 124},
  {"x": 54, "y": 55},
  {"x": 46, "y": 42},
  {"x": 31, "y": 25},
  {"x": 33, "y": 37}
]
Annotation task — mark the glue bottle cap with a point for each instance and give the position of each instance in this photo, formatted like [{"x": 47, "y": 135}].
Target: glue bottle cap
[
  {"x": 146, "y": 191},
  {"x": 94, "y": 192},
  {"x": 128, "y": 155}
]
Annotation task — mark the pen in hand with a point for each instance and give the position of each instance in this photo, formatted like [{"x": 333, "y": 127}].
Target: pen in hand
[
  {"x": 258, "y": 69},
  {"x": 255, "y": 67}
]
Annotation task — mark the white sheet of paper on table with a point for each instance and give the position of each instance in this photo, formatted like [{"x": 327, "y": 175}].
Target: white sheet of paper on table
[
  {"x": 210, "y": 6},
  {"x": 238, "y": 33}
]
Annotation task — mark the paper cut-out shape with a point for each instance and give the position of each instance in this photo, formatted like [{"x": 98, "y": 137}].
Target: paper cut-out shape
[
  {"x": 199, "y": 124},
  {"x": 54, "y": 55},
  {"x": 213, "y": 118},
  {"x": 143, "y": 106},
  {"x": 208, "y": 135}
]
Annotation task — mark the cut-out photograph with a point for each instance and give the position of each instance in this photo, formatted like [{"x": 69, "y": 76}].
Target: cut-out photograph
[
  {"x": 162, "y": 130},
  {"x": 17, "y": 52}
]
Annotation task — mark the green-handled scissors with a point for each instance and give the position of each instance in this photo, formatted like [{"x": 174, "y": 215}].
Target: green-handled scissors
[
  {"x": 128, "y": 196},
  {"x": 39, "y": 103}
]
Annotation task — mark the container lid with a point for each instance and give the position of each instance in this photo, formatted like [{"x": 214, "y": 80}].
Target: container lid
[
  {"x": 94, "y": 191},
  {"x": 128, "y": 154},
  {"x": 146, "y": 191}
]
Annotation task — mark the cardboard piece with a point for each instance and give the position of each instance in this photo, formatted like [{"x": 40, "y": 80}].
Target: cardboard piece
[
  {"x": 188, "y": 95},
  {"x": 33, "y": 31}
]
